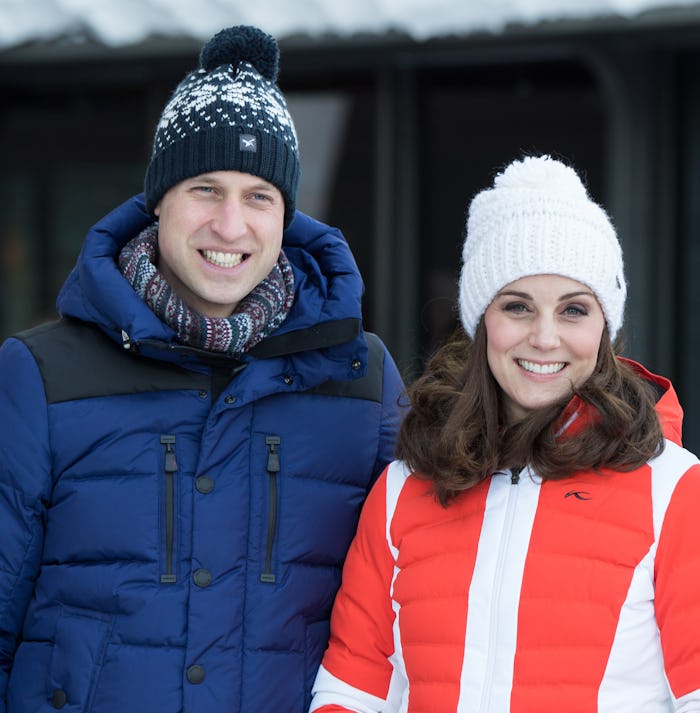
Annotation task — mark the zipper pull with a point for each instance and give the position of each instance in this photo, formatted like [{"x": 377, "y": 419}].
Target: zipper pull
[
  {"x": 515, "y": 475},
  {"x": 170, "y": 460},
  {"x": 273, "y": 454}
]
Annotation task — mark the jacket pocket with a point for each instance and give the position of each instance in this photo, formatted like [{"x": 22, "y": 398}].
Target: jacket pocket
[
  {"x": 76, "y": 661},
  {"x": 273, "y": 469},
  {"x": 167, "y": 530}
]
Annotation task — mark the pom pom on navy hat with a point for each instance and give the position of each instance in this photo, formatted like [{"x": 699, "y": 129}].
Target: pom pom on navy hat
[
  {"x": 538, "y": 219},
  {"x": 242, "y": 44},
  {"x": 229, "y": 114}
]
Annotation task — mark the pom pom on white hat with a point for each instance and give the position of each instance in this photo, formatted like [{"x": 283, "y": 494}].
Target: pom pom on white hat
[{"x": 538, "y": 220}]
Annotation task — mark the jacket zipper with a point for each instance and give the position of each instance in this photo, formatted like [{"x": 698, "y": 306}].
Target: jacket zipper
[
  {"x": 497, "y": 584},
  {"x": 273, "y": 468},
  {"x": 170, "y": 468}
]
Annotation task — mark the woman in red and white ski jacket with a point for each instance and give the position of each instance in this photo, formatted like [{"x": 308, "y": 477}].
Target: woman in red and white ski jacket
[
  {"x": 524, "y": 596},
  {"x": 570, "y": 582}
]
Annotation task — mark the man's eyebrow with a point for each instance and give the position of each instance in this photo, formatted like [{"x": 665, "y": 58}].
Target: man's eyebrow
[
  {"x": 259, "y": 183},
  {"x": 202, "y": 178},
  {"x": 263, "y": 184}
]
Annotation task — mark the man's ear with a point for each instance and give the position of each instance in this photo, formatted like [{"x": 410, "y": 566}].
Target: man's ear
[{"x": 156, "y": 210}]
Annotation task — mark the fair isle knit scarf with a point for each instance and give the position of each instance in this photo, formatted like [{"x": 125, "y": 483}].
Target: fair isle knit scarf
[{"x": 256, "y": 316}]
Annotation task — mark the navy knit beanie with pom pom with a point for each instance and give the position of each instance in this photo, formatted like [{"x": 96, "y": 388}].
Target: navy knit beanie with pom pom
[{"x": 228, "y": 115}]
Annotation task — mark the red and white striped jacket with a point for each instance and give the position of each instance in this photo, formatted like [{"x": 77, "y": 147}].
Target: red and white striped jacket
[{"x": 524, "y": 596}]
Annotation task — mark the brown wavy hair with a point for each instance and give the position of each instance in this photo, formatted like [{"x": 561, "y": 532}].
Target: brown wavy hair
[{"x": 455, "y": 433}]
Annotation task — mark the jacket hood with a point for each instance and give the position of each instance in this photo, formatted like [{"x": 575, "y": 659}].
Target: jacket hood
[{"x": 328, "y": 290}]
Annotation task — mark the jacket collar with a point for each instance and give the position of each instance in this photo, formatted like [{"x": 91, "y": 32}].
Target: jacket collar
[{"x": 577, "y": 415}]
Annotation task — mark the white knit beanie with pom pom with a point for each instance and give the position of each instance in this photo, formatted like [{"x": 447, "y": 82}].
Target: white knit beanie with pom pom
[{"x": 537, "y": 220}]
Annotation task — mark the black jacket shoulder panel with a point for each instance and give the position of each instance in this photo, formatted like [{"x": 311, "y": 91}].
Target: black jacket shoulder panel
[
  {"x": 78, "y": 361},
  {"x": 368, "y": 387}
]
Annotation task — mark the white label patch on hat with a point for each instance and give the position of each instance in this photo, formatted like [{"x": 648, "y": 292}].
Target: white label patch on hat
[{"x": 247, "y": 142}]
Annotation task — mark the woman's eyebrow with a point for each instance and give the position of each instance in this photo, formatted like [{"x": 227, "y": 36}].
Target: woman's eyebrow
[
  {"x": 527, "y": 296},
  {"x": 515, "y": 293},
  {"x": 570, "y": 295}
]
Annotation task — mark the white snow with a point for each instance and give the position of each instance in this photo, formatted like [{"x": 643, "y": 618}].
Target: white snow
[{"x": 116, "y": 23}]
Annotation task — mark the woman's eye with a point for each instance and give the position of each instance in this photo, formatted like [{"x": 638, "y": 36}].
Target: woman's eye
[
  {"x": 575, "y": 311},
  {"x": 515, "y": 307}
]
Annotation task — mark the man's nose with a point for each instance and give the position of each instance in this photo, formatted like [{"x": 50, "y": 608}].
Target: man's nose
[{"x": 228, "y": 220}]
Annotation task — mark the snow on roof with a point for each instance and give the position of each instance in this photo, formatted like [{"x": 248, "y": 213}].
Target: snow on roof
[{"x": 121, "y": 23}]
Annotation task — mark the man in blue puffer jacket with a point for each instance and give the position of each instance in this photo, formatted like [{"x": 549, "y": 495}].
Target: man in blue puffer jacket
[{"x": 185, "y": 452}]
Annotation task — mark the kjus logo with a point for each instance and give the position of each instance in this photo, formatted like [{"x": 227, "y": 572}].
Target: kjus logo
[
  {"x": 248, "y": 142},
  {"x": 579, "y": 495}
]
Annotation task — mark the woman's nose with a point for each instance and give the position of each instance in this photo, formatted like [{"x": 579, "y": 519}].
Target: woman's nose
[{"x": 544, "y": 333}]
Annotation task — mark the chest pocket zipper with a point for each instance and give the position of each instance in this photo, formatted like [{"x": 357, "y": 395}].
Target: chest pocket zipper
[
  {"x": 273, "y": 468},
  {"x": 170, "y": 468}
]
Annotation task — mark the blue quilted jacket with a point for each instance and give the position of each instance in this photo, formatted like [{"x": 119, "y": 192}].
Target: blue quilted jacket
[{"x": 173, "y": 524}]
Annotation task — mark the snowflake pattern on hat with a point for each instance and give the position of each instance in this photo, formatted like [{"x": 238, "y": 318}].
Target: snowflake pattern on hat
[{"x": 225, "y": 97}]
